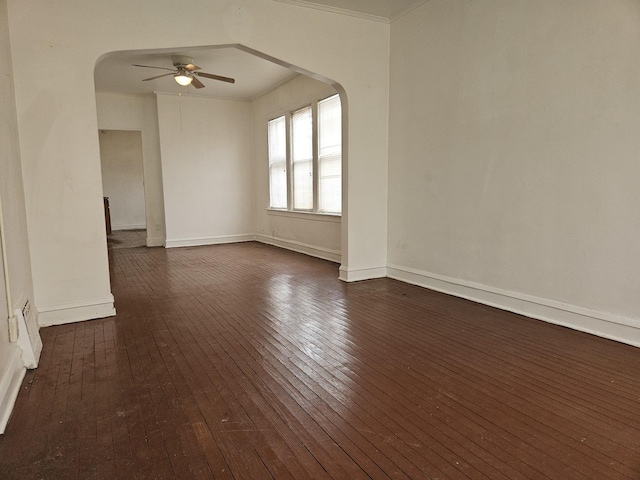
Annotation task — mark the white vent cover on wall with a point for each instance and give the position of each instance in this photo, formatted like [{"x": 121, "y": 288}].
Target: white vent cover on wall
[{"x": 31, "y": 345}]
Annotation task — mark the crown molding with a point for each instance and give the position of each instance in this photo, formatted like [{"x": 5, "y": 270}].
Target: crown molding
[
  {"x": 406, "y": 10},
  {"x": 340, "y": 11},
  {"x": 352, "y": 13}
]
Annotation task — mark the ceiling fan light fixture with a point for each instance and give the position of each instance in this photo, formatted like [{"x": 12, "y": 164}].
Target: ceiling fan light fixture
[
  {"x": 184, "y": 72},
  {"x": 183, "y": 79}
]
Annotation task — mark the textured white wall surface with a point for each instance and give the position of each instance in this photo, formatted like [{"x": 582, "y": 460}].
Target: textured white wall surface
[
  {"x": 205, "y": 145},
  {"x": 513, "y": 165}
]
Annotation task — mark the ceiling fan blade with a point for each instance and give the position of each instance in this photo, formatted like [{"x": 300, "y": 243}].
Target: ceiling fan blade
[
  {"x": 159, "y": 76},
  {"x": 196, "y": 83},
  {"x": 150, "y": 66},
  {"x": 191, "y": 67},
  {"x": 215, "y": 77}
]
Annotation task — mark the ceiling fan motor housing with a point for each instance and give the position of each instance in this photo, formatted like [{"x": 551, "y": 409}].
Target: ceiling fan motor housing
[{"x": 182, "y": 61}]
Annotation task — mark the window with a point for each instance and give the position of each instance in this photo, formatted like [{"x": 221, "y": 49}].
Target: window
[
  {"x": 330, "y": 155},
  {"x": 305, "y": 159},
  {"x": 277, "y": 163}
]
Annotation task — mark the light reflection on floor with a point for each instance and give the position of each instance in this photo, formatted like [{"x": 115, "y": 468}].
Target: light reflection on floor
[{"x": 313, "y": 323}]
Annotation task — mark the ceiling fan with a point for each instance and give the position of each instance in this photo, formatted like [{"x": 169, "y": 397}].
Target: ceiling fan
[{"x": 185, "y": 72}]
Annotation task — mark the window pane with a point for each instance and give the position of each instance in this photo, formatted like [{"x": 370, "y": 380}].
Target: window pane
[
  {"x": 277, "y": 163},
  {"x": 330, "y": 155},
  {"x": 302, "y": 158},
  {"x": 278, "y": 185},
  {"x": 303, "y": 185}
]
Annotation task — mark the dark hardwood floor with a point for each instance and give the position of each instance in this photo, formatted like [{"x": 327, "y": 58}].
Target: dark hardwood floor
[{"x": 247, "y": 362}]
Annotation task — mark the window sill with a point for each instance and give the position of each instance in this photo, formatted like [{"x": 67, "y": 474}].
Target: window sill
[{"x": 313, "y": 216}]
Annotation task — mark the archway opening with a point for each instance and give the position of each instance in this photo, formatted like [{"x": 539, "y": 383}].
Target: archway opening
[{"x": 206, "y": 150}]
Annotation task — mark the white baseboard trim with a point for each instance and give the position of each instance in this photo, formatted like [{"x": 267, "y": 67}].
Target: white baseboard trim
[
  {"x": 196, "y": 242},
  {"x": 49, "y": 315},
  {"x": 10, "y": 380},
  {"x": 155, "y": 241},
  {"x": 359, "y": 274},
  {"x": 135, "y": 226},
  {"x": 311, "y": 250},
  {"x": 614, "y": 327}
]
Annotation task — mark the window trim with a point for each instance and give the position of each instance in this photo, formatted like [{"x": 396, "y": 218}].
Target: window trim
[{"x": 322, "y": 217}]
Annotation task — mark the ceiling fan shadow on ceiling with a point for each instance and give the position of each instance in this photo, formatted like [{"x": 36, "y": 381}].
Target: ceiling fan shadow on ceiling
[{"x": 185, "y": 72}]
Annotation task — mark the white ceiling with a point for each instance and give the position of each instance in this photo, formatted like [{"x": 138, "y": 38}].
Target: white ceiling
[{"x": 254, "y": 76}]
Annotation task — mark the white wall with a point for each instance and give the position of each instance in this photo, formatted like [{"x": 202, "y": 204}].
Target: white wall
[
  {"x": 139, "y": 112},
  {"x": 318, "y": 235},
  {"x": 122, "y": 178},
  {"x": 58, "y": 127},
  {"x": 11, "y": 192},
  {"x": 513, "y": 175},
  {"x": 207, "y": 173}
]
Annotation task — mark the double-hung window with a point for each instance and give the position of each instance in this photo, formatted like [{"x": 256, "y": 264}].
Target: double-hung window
[{"x": 305, "y": 159}]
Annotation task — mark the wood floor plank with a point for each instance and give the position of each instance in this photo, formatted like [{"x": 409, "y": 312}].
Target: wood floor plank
[
  {"x": 246, "y": 361},
  {"x": 450, "y": 387},
  {"x": 552, "y": 420},
  {"x": 336, "y": 459}
]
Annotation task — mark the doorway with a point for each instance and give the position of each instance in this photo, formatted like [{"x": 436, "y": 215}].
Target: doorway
[{"x": 123, "y": 183}]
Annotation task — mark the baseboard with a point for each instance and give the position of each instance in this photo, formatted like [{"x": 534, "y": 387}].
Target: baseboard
[
  {"x": 195, "y": 242},
  {"x": 311, "y": 250},
  {"x": 359, "y": 274},
  {"x": 76, "y": 312},
  {"x": 133, "y": 226},
  {"x": 10, "y": 380},
  {"x": 155, "y": 241},
  {"x": 614, "y": 327}
]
